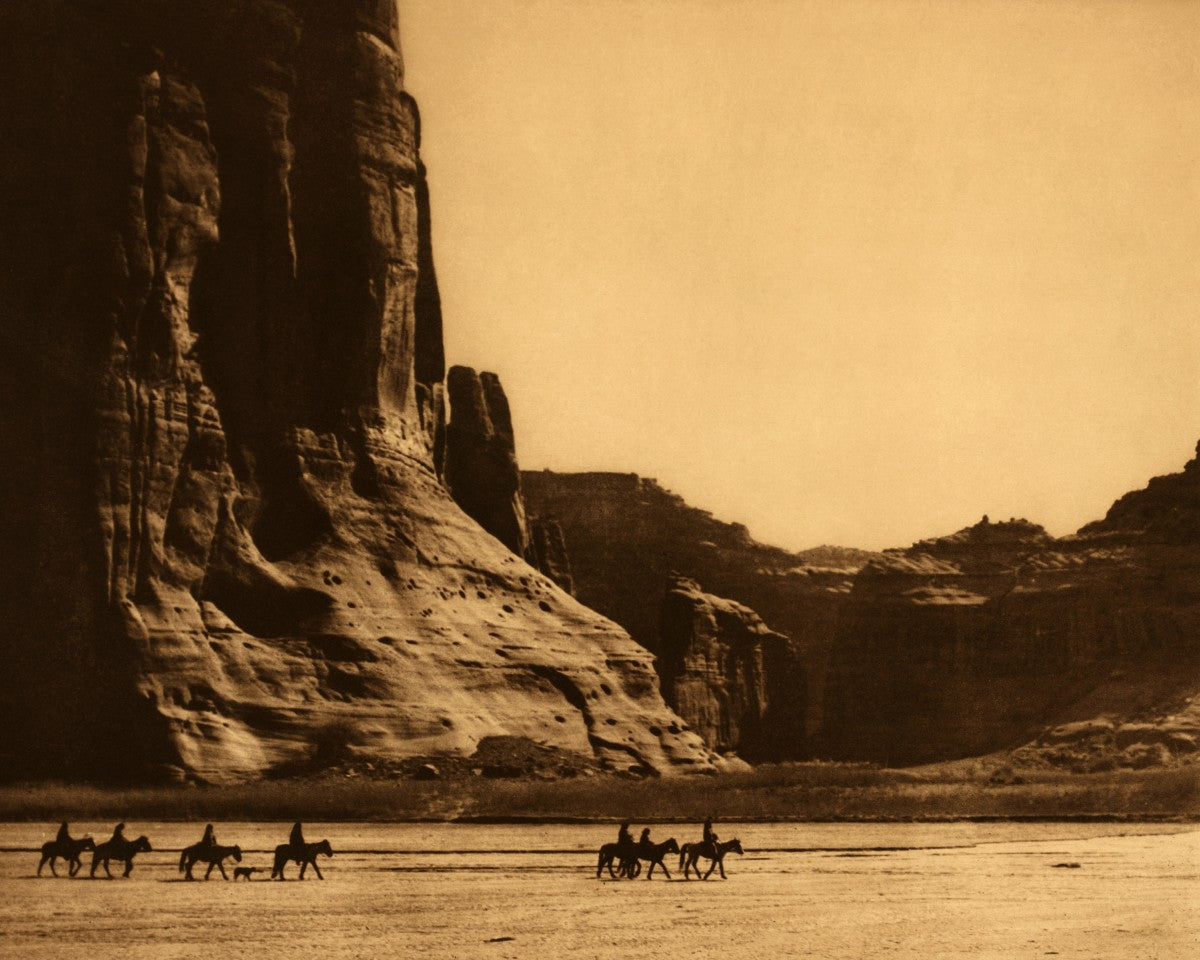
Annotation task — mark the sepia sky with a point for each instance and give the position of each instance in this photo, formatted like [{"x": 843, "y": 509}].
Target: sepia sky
[{"x": 847, "y": 271}]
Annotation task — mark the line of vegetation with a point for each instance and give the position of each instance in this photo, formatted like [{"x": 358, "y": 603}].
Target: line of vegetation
[{"x": 785, "y": 792}]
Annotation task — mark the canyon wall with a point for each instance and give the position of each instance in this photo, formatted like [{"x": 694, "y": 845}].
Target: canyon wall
[
  {"x": 226, "y": 535},
  {"x": 1081, "y": 651},
  {"x": 627, "y": 537}
]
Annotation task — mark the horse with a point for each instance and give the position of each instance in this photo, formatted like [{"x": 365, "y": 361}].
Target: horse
[
  {"x": 69, "y": 850},
  {"x": 210, "y": 854},
  {"x": 624, "y": 853},
  {"x": 304, "y": 854},
  {"x": 692, "y": 852},
  {"x": 653, "y": 853},
  {"x": 118, "y": 848}
]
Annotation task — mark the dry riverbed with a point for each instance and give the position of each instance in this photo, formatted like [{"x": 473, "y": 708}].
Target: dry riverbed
[{"x": 469, "y": 891}]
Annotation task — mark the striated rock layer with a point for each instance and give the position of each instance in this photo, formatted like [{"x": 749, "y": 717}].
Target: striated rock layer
[
  {"x": 226, "y": 537},
  {"x": 723, "y": 670}
]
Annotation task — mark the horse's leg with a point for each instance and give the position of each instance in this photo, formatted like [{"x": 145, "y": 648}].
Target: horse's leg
[
  {"x": 221, "y": 867},
  {"x": 318, "y": 869},
  {"x": 128, "y": 867},
  {"x": 721, "y": 864},
  {"x": 664, "y": 869},
  {"x": 106, "y": 870},
  {"x": 209, "y": 870},
  {"x": 303, "y": 867},
  {"x": 711, "y": 867}
]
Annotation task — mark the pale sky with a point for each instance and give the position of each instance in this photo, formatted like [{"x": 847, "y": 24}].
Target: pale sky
[{"x": 847, "y": 271}]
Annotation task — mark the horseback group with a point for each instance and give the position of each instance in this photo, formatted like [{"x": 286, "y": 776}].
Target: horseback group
[
  {"x": 207, "y": 850},
  {"x": 117, "y": 847},
  {"x": 628, "y": 855}
]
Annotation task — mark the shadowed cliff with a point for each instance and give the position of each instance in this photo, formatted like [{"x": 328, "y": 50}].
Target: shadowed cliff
[{"x": 226, "y": 538}]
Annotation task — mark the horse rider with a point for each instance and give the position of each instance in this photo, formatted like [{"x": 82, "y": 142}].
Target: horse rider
[
  {"x": 710, "y": 837},
  {"x": 296, "y": 837},
  {"x": 210, "y": 838},
  {"x": 118, "y": 834},
  {"x": 624, "y": 837},
  {"x": 644, "y": 840},
  {"x": 64, "y": 835}
]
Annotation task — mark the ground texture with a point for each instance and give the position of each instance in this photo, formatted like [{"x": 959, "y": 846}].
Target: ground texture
[{"x": 826, "y": 890}]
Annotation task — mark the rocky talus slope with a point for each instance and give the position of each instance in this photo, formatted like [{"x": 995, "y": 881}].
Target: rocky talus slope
[{"x": 226, "y": 536}]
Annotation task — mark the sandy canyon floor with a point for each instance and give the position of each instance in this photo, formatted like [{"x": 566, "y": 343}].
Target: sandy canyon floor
[{"x": 466, "y": 891}]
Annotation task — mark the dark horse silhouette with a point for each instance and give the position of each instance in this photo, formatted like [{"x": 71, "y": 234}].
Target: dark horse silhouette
[
  {"x": 692, "y": 852},
  {"x": 209, "y": 853},
  {"x": 69, "y": 850},
  {"x": 118, "y": 848},
  {"x": 630, "y": 857},
  {"x": 304, "y": 854},
  {"x": 626, "y": 856}
]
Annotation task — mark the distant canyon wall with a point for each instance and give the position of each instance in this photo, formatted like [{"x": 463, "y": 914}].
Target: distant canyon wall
[
  {"x": 985, "y": 640},
  {"x": 227, "y": 530}
]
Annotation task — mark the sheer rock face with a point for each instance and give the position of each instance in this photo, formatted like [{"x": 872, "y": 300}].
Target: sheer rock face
[
  {"x": 722, "y": 669},
  {"x": 225, "y": 535},
  {"x": 548, "y": 552},
  {"x": 481, "y": 457}
]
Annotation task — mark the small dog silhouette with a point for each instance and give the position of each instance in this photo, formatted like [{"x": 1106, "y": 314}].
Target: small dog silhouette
[{"x": 244, "y": 872}]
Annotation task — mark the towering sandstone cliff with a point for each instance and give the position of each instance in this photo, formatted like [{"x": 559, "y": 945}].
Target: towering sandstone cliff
[{"x": 225, "y": 530}]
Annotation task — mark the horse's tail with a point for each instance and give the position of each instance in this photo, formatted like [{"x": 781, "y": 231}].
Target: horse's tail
[{"x": 683, "y": 852}]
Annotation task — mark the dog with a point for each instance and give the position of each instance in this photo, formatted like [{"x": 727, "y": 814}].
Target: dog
[{"x": 244, "y": 872}]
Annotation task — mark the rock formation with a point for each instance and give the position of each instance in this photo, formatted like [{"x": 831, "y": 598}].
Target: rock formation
[
  {"x": 226, "y": 538},
  {"x": 724, "y": 671},
  {"x": 1082, "y": 651},
  {"x": 626, "y": 535},
  {"x": 481, "y": 457},
  {"x": 1000, "y": 635},
  {"x": 548, "y": 552}
]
